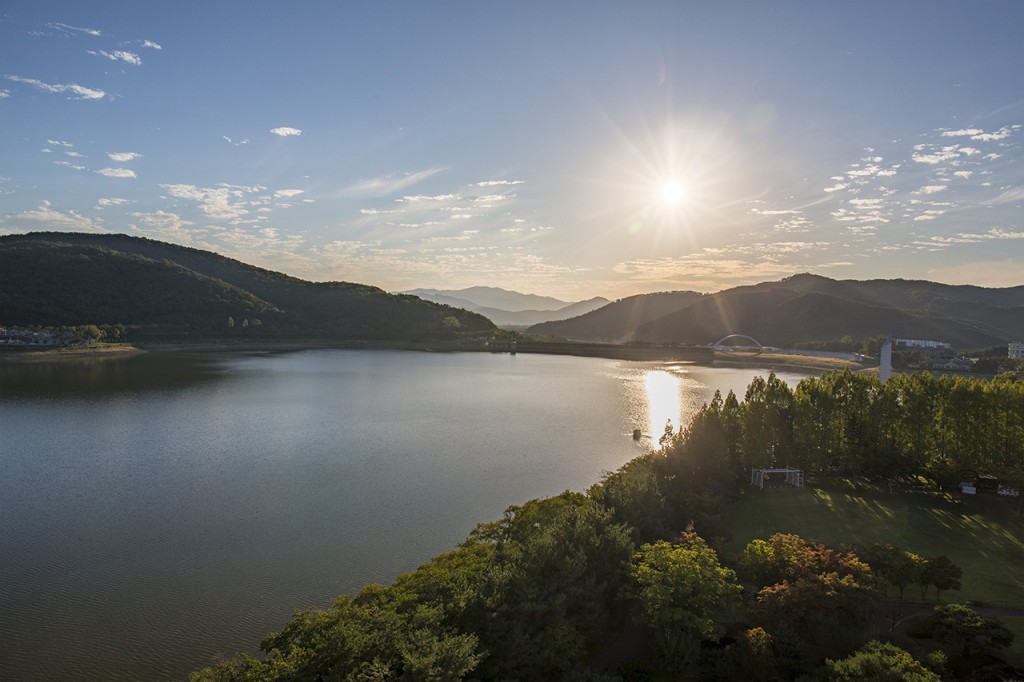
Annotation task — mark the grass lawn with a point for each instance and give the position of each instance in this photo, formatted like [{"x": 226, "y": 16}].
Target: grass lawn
[{"x": 978, "y": 533}]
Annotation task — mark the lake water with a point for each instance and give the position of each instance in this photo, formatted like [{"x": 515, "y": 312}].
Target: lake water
[{"x": 161, "y": 512}]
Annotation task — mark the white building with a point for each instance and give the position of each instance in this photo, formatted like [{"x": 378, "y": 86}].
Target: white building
[
  {"x": 885, "y": 360},
  {"x": 922, "y": 343},
  {"x": 1015, "y": 350}
]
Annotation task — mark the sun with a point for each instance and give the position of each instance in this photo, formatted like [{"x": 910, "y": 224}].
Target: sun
[{"x": 671, "y": 193}]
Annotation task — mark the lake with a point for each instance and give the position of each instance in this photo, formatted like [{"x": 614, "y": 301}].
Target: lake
[{"x": 160, "y": 512}]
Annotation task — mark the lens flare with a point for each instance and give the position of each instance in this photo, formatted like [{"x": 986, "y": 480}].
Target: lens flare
[{"x": 672, "y": 192}]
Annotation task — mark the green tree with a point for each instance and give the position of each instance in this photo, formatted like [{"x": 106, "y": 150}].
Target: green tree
[
  {"x": 91, "y": 331},
  {"x": 682, "y": 593},
  {"x": 941, "y": 572},
  {"x": 754, "y": 655},
  {"x": 831, "y": 613},
  {"x": 786, "y": 556},
  {"x": 959, "y": 627},
  {"x": 558, "y": 565},
  {"x": 895, "y": 566},
  {"x": 370, "y": 636},
  {"x": 767, "y": 418},
  {"x": 878, "y": 662},
  {"x": 634, "y": 496}
]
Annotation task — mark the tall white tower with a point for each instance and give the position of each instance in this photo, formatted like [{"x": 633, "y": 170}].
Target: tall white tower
[{"x": 885, "y": 362}]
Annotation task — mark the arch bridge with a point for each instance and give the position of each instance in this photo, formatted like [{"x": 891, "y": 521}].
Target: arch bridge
[{"x": 756, "y": 346}]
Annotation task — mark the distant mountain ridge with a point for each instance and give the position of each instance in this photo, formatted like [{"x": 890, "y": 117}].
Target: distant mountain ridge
[
  {"x": 166, "y": 291},
  {"x": 617, "y": 321},
  {"x": 807, "y": 308},
  {"x": 509, "y": 308},
  {"x": 494, "y": 297}
]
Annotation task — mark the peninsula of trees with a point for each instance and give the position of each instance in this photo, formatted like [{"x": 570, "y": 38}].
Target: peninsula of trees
[{"x": 558, "y": 588}]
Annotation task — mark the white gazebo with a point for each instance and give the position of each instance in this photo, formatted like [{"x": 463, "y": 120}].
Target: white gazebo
[{"x": 794, "y": 477}]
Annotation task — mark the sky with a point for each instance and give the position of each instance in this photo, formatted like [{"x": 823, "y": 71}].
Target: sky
[{"x": 570, "y": 149}]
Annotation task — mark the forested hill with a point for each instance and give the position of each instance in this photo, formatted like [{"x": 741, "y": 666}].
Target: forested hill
[
  {"x": 162, "y": 291},
  {"x": 810, "y": 308},
  {"x": 617, "y": 321}
]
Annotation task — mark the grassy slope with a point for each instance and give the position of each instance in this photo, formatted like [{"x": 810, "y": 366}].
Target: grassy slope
[{"x": 978, "y": 534}]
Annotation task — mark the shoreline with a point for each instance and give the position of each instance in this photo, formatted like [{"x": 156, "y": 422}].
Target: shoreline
[
  {"x": 785, "y": 362},
  {"x": 23, "y": 354},
  {"x": 770, "y": 361}
]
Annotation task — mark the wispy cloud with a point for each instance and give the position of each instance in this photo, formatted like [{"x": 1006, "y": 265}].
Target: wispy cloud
[
  {"x": 935, "y": 156},
  {"x": 117, "y": 172},
  {"x": 121, "y": 157},
  {"x": 285, "y": 131},
  {"x": 931, "y": 189},
  {"x": 166, "y": 226},
  {"x": 1008, "y": 196},
  {"x": 492, "y": 198},
  {"x": 289, "y": 192},
  {"x": 1000, "y": 134},
  {"x": 119, "y": 56},
  {"x": 47, "y": 217},
  {"x": 76, "y": 91},
  {"x": 697, "y": 269},
  {"x": 68, "y": 30},
  {"x": 963, "y": 132},
  {"x": 377, "y": 211},
  {"x": 416, "y": 198},
  {"x": 388, "y": 184},
  {"x": 103, "y": 202},
  {"x": 224, "y": 202},
  {"x": 150, "y": 44},
  {"x": 994, "y": 233},
  {"x": 765, "y": 211},
  {"x": 496, "y": 183}
]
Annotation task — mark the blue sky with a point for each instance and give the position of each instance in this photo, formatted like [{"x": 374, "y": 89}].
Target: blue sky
[{"x": 571, "y": 149}]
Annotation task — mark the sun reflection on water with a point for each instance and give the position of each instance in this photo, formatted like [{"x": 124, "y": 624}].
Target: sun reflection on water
[{"x": 664, "y": 402}]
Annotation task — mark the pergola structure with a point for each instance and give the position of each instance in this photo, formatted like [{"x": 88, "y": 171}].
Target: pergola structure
[{"x": 794, "y": 477}]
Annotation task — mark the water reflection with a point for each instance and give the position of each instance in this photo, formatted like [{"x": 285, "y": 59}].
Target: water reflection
[
  {"x": 664, "y": 402},
  {"x": 96, "y": 376}
]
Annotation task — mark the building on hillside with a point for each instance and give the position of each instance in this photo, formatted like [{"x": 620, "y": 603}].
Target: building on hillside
[
  {"x": 954, "y": 365},
  {"x": 923, "y": 344},
  {"x": 1015, "y": 350}
]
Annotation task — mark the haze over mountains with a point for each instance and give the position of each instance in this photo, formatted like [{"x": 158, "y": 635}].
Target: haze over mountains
[
  {"x": 807, "y": 308},
  {"x": 510, "y": 308},
  {"x": 166, "y": 291}
]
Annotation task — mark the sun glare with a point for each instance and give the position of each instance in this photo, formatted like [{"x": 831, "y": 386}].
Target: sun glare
[
  {"x": 671, "y": 193},
  {"x": 664, "y": 403}
]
